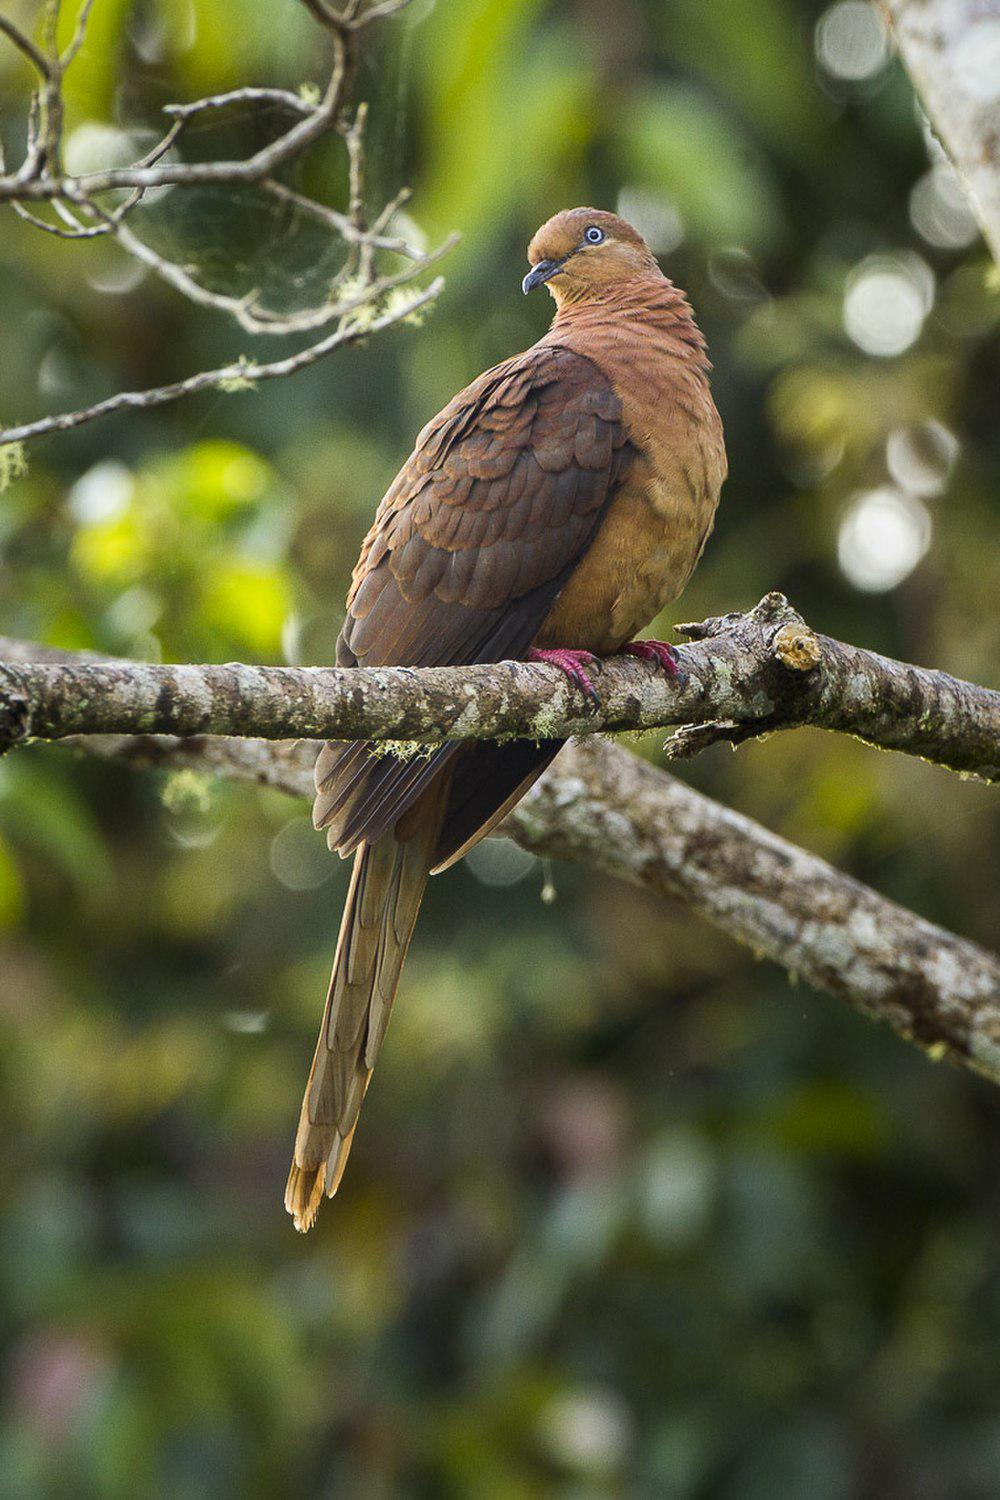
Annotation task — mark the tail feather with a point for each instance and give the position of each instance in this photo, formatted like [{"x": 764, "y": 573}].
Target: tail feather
[{"x": 387, "y": 886}]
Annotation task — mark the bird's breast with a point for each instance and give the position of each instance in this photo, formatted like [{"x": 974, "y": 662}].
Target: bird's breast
[
  {"x": 641, "y": 558},
  {"x": 656, "y": 525},
  {"x": 651, "y": 536}
]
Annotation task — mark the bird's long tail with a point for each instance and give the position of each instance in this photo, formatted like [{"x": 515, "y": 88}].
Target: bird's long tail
[{"x": 387, "y": 885}]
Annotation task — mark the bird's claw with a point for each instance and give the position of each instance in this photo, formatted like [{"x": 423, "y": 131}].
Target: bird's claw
[
  {"x": 573, "y": 663},
  {"x": 660, "y": 652}
]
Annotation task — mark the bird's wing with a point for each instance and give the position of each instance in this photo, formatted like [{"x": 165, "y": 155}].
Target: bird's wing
[{"x": 499, "y": 500}]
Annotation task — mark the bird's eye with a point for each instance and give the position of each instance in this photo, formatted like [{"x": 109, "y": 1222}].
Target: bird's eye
[{"x": 593, "y": 235}]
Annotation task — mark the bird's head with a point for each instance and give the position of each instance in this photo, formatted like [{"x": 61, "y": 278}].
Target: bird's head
[{"x": 586, "y": 252}]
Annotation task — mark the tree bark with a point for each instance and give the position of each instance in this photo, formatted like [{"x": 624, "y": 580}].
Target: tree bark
[
  {"x": 600, "y": 805},
  {"x": 951, "y": 50},
  {"x": 603, "y": 807},
  {"x": 742, "y": 676}
]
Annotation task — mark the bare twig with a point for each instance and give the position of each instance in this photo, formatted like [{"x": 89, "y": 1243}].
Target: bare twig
[
  {"x": 319, "y": 119},
  {"x": 71, "y": 228},
  {"x": 25, "y": 46},
  {"x": 79, "y": 34},
  {"x": 247, "y": 310},
  {"x": 379, "y": 11},
  {"x": 362, "y": 255},
  {"x": 249, "y": 95},
  {"x": 242, "y": 375},
  {"x": 73, "y": 231},
  {"x": 345, "y": 226},
  {"x": 356, "y": 304}
]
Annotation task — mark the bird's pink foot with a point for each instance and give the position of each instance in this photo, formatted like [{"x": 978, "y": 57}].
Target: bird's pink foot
[
  {"x": 573, "y": 663},
  {"x": 659, "y": 651}
]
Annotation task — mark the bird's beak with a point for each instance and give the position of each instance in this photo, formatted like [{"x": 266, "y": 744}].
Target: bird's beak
[{"x": 540, "y": 274}]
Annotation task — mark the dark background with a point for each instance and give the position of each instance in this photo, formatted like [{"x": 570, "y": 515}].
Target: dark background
[{"x": 629, "y": 1213}]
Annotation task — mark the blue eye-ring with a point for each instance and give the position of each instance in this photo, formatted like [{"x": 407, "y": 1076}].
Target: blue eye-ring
[{"x": 593, "y": 235}]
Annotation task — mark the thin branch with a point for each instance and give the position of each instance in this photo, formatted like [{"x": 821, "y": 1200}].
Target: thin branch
[
  {"x": 345, "y": 226},
  {"x": 51, "y": 111},
  {"x": 249, "y": 95},
  {"x": 61, "y": 231},
  {"x": 379, "y": 11},
  {"x": 352, "y": 17},
  {"x": 79, "y": 34},
  {"x": 323, "y": 14},
  {"x": 609, "y": 810},
  {"x": 242, "y": 375},
  {"x": 354, "y": 305},
  {"x": 247, "y": 311},
  {"x": 25, "y": 46},
  {"x": 320, "y": 118},
  {"x": 71, "y": 228},
  {"x": 743, "y": 676},
  {"x": 361, "y": 260}
]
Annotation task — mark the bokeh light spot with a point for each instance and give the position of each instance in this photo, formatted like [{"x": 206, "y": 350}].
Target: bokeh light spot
[
  {"x": 886, "y": 300},
  {"x": 299, "y": 857},
  {"x": 247, "y": 1022},
  {"x": 93, "y": 146},
  {"x": 657, "y": 219},
  {"x": 940, "y": 210},
  {"x": 499, "y": 862},
  {"x": 851, "y": 42},
  {"x": 103, "y": 493},
  {"x": 588, "y": 1430},
  {"x": 882, "y": 538},
  {"x": 920, "y": 458}
]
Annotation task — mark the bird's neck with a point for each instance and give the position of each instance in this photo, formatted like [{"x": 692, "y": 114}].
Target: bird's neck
[{"x": 648, "y": 310}]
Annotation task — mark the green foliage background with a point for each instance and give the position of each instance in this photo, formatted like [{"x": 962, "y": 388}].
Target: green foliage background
[{"x": 629, "y": 1213}]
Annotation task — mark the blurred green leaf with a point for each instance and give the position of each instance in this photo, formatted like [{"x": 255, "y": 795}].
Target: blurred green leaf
[{"x": 670, "y": 132}]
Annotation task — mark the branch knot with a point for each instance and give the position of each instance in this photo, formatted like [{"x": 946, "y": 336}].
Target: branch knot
[{"x": 797, "y": 648}]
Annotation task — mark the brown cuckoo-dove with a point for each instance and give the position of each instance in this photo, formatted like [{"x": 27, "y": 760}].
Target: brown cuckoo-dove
[{"x": 549, "y": 512}]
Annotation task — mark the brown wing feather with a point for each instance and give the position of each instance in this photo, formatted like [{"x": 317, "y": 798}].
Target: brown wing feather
[
  {"x": 471, "y": 545},
  {"x": 487, "y": 781}
]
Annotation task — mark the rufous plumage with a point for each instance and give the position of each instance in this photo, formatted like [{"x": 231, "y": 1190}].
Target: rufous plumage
[{"x": 550, "y": 511}]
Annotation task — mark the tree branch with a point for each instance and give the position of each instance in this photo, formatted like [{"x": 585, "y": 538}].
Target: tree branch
[
  {"x": 243, "y": 374},
  {"x": 358, "y": 301},
  {"x": 609, "y": 809},
  {"x": 952, "y": 53},
  {"x": 314, "y": 120},
  {"x": 743, "y": 675},
  {"x": 602, "y": 807},
  {"x": 25, "y": 46}
]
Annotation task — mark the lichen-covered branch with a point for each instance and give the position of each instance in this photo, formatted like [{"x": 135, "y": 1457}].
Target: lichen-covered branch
[
  {"x": 740, "y": 676},
  {"x": 602, "y": 807},
  {"x": 241, "y": 374},
  {"x": 609, "y": 809},
  {"x": 951, "y": 50}
]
